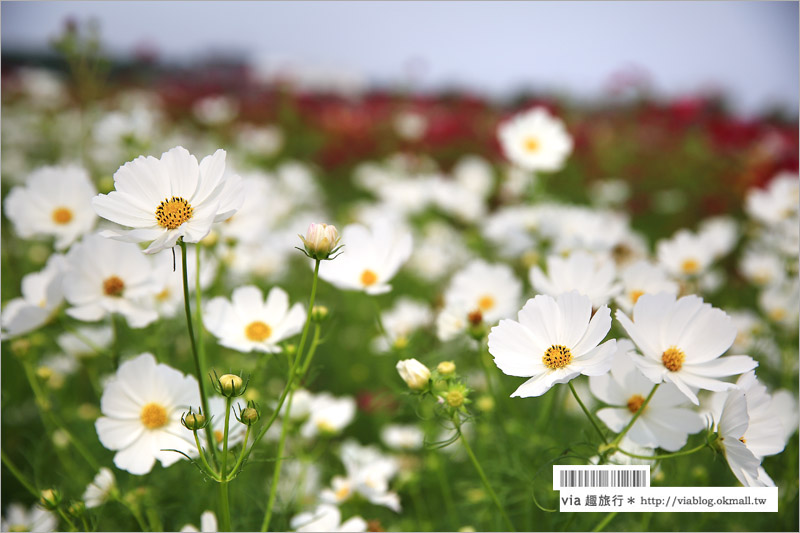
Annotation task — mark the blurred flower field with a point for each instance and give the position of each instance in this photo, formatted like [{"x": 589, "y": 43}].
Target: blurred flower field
[{"x": 238, "y": 305}]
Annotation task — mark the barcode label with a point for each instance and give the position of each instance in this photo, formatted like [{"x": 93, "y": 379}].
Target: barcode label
[{"x": 612, "y": 476}]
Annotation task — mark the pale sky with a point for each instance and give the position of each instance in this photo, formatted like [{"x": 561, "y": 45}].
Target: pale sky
[{"x": 749, "y": 50}]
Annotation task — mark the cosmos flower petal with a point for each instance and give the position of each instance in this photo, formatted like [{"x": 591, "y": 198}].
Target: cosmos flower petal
[
  {"x": 598, "y": 328},
  {"x": 614, "y": 417},
  {"x": 510, "y": 343},
  {"x": 682, "y": 386},
  {"x": 575, "y": 311},
  {"x": 724, "y": 366},
  {"x": 637, "y": 336},
  {"x": 116, "y": 434}
]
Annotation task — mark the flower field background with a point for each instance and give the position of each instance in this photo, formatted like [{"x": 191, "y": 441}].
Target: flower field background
[{"x": 391, "y": 401}]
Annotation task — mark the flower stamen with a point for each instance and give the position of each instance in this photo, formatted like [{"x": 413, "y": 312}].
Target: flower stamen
[
  {"x": 673, "y": 358},
  {"x": 557, "y": 356},
  {"x": 113, "y": 286},
  {"x": 368, "y": 277},
  {"x": 153, "y": 416},
  {"x": 62, "y": 215},
  {"x": 532, "y": 144},
  {"x": 173, "y": 212},
  {"x": 635, "y": 403},
  {"x": 258, "y": 331}
]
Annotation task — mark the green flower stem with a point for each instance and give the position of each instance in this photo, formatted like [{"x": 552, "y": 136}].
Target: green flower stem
[
  {"x": 604, "y": 522},
  {"x": 276, "y": 475},
  {"x": 635, "y": 416},
  {"x": 311, "y": 350},
  {"x": 115, "y": 326},
  {"x": 225, "y": 511},
  {"x": 17, "y": 474},
  {"x": 48, "y": 418},
  {"x": 137, "y": 515},
  {"x": 482, "y": 475},
  {"x": 199, "y": 369},
  {"x": 486, "y": 368},
  {"x": 304, "y": 336},
  {"x": 201, "y": 346},
  {"x": 66, "y": 519},
  {"x": 292, "y": 370},
  {"x": 447, "y": 493},
  {"x": 664, "y": 456},
  {"x": 235, "y": 469},
  {"x": 210, "y": 471},
  {"x": 588, "y": 414}
]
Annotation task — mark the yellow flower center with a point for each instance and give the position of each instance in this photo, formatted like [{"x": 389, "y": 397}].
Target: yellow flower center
[
  {"x": 343, "y": 492},
  {"x": 673, "y": 358},
  {"x": 257, "y": 331},
  {"x": 635, "y": 295},
  {"x": 777, "y": 314},
  {"x": 532, "y": 144},
  {"x": 325, "y": 426},
  {"x": 153, "y": 416},
  {"x": 163, "y": 295},
  {"x": 486, "y": 303},
  {"x": 218, "y": 436},
  {"x": 173, "y": 212},
  {"x": 557, "y": 356},
  {"x": 690, "y": 266},
  {"x": 113, "y": 286},
  {"x": 62, "y": 215},
  {"x": 368, "y": 277},
  {"x": 742, "y": 440},
  {"x": 635, "y": 402}
]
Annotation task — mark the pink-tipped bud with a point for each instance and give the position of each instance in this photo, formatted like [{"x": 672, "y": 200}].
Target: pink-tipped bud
[{"x": 321, "y": 241}]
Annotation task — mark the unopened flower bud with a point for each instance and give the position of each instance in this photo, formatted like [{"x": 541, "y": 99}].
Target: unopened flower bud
[
  {"x": 194, "y": 421},
  {"x": 249, "y": 416},
  {"x": 50, "y": 498},
  {"x": 319, "y": 313},
  {"x": 231, "y": 385},
  {"x": 77, "y": 509},
  {"x": 414, "y": 373},
  {"x": 446, "y": 368},
  {"x": 20, "y": 347},
  {"x": 321, "y": 241},
  {"x": 455, "y": 398}
]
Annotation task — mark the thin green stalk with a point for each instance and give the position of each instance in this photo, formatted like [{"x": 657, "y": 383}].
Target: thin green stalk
[
  {"x": 276, "y": 475},
  {"x": 588, "y": 414},
  {"x": 292, "y": 370},
  {"x": 486, "y": 371},
  {"x": 201, "y": 347},
  {"x": 48, "y": 416},
  {"x": 604, "y": 522},
  {"x": 447, "y": 493},
  {"x": 135, "y": 512},
  {"x": 63, "y": 515},
  {"x": 635, "y": 416},
  {"x": 202, "y": 455},
  {"x": 239, "y": 462},
  {"x": 663, "y": 456},
  {"x": 483, "y": 477},
  {"x": 199, "y": 369},
  {"x": 115, "y": 326},
  {"x": 225, "y": 511},
  {"x": 311, "y": 350},
  {"x": 17, "y": 474}
]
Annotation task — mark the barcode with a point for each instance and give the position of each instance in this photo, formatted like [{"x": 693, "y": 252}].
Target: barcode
[{"x": 615, "y": 476}]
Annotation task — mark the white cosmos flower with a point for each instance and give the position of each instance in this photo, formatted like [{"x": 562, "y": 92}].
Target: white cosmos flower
[
  {"x": 731, "y": 424},
  {"x": 77, "y": 344},
  {"x": 665, "y": 422},
  {"x": 42, "y": 294},
  {"x": 682, "y": 342},
  {"x": 370, "y": 257},
  {"x": 762, "y": 267},
  {"x": 368, "y": 473},
  {"x": 37, "y": 519},
  {"x": 777, "y": 202},
  {"x": 170, "y": 198},
  {"x": 402, "y": 437},
  {"x": 401, "y": 321},
  {"x": 491, "y": 289},
  {"x": 684, "y": 254},
  {"x": 247, "y": 322},
  {"x": 328, "y": 415},
  {"x": 535, "y": 140},
  {"x": 720, "y": 234},
  {"x": 98, "y": 491},
  {"x": 781, "y": 303},
  {"x": 208, "y": 523},
  {"x": 643, "y": 277},
  {"x": 142, "y": 406},
  {"x": 105, "y": 276},
  {"x": 553, "y": 342},
  {"x": 56, "y": 201},
  {"x": 582, "y": 272},
  {"x": 326, "y": 517}
]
